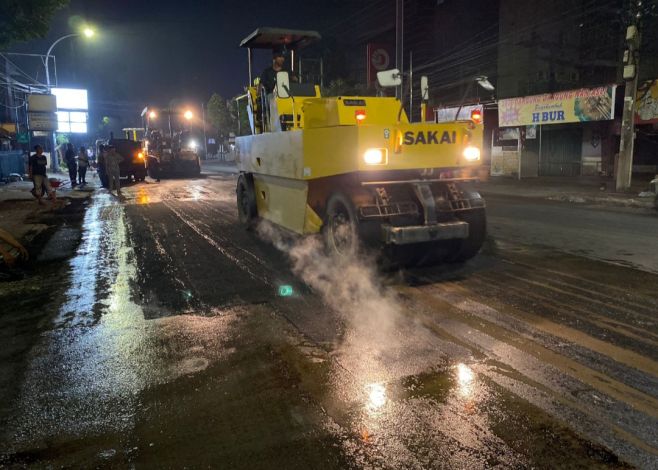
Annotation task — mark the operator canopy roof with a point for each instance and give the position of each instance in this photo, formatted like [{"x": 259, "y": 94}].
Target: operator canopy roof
[{"x": 278, "y": 38}]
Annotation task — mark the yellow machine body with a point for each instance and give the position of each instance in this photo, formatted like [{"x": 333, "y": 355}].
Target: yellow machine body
[
  {"x": 355, "y": 169},
  {"x": 327, "y": 140}
]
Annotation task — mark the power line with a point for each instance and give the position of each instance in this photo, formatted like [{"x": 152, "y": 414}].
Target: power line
[
  {"x": 344, "y": 20},
  {"x": 456, "y": 54},
  {"x": 453, "y": 61}
]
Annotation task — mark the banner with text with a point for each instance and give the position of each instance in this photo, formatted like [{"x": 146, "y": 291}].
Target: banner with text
[{"x": 586, "y": 104}]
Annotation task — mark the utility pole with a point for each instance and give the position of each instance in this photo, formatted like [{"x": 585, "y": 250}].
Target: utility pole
[
  {"x": 631, "y": 74},
  {"x": 411, "y": 85},
  {"x": 10, "y": 91},
  {"x": 399, "y": 44},
  {"x": 205, "y": 139}
]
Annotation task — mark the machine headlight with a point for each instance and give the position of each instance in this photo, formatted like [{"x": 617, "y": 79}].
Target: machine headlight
[
  {"x": 471, "y": 154},
  {"x": 193, "y": 144},
  {"x": 375, "y": 157}
]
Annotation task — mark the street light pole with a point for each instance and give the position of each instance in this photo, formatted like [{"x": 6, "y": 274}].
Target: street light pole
[
  {"x": 50, "y": 49},
  {"x": 54, "y": 161}
]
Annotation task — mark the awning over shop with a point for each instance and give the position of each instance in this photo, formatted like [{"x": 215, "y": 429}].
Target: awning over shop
[{"x": 585, "y": 104}]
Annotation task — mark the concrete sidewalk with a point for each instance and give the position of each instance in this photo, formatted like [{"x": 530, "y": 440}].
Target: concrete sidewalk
[{"x": 577, "y": 190}]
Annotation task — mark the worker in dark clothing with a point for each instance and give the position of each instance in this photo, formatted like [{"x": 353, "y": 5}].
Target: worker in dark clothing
[
  {"x": 268, "y": 83},
  {"x": 268, "y": 77},
  {"x": 37, "y": 171},
  {"x": 83, "y": 164},
  {"x": 69, "y": 157},
  {"x": 100, "y": 166}
]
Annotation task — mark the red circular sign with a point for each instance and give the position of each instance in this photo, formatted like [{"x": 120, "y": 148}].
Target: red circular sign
[{"x": 380, "y": 59}]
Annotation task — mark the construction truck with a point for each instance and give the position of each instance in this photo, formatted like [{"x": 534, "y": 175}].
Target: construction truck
[
  {"x": 171, "y": 155},
  {"x": 131, "y": 149},
  {"x": 355, "y": 170}
]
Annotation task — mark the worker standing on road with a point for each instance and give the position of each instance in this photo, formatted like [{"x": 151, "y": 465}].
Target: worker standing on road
[
  {"x": 83, "y": 164},
  {"x": 60, "y": 150},
  {"x": 112, "y": 161},
  {"x": 37, "y": 171},
  {"x": 100, "y": 166},
  {"x": 69, "y": 156}
]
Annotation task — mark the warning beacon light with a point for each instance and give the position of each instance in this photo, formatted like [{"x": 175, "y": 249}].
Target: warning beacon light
[{"x": 476, "y": 116}]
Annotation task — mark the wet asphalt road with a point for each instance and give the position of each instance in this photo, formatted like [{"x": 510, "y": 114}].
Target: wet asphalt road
[{"x": 167, "y": 345}]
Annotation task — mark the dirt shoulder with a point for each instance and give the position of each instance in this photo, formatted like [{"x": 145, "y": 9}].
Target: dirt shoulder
[{"x": 30, "y": 223}]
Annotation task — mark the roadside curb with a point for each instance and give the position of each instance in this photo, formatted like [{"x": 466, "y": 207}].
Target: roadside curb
[
  {"x": 219, "y": 167},
  {"x": 605, "y": 199}
]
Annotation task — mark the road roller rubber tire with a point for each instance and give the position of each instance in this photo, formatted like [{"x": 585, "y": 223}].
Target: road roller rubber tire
[
  {"x": 246, "y": 200},
  {"x": 153, "y": 169},
  {"x": 340, "y": 231},
  {"x": 477, "y": 234}
]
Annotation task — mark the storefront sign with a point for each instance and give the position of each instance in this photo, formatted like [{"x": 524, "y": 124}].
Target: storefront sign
[
  {"x": 42, "y": 103},
  {"x": 647, "y": 103},
  {"x": 42, "y": 121},
  {"x": 586, "y": 104}
]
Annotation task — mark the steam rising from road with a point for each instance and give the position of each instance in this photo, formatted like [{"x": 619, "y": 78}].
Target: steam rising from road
[{"x": 352, "y": 289}]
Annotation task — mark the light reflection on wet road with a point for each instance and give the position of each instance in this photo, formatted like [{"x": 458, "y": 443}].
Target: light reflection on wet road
[{"x": 172, "y": 346}]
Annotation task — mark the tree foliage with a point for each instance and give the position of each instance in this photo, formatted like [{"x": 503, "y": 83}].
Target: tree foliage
[
  {"x": 223, "y": 115},
  {"x": 342, "y": 87},
  {"x": 220, "y": 115},
  {"x": 22, "y": 20}
]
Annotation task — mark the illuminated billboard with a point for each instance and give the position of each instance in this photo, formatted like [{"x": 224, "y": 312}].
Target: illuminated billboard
[
  {"x": 71, "y": 98},
  {"x": 72, "y": 106}
]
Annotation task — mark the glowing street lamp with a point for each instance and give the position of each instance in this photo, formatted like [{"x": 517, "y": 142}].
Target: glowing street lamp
[
  {"x": 153, "y": 115},
  {"x": 86, "y": 32},
  {"x": 188, "y": 115}
]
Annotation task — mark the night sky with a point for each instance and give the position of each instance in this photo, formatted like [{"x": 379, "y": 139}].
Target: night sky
[{"x": 181, "y": 51}]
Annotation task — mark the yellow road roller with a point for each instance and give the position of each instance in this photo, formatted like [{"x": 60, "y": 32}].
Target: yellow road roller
[{"x": 355, "y": 170}]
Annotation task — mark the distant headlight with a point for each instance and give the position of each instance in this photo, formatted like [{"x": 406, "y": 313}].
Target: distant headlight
[
  {"x": 375, "y": 157},
  {"x": 193, "y": 144},
  {"x": 471, "y": 154}
]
